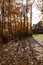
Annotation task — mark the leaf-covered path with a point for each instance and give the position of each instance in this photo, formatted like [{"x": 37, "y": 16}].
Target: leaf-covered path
[{"x": 21, "y": 52}]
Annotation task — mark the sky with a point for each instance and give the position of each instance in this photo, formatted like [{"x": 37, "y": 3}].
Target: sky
[{"x": 35, "y": 14}]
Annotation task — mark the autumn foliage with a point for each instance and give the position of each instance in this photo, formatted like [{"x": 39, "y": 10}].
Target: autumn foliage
[{"x": 13, "y": 17}]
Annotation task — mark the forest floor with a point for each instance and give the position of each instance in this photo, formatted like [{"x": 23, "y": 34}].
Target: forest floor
[{"x": 27, "y": 51}]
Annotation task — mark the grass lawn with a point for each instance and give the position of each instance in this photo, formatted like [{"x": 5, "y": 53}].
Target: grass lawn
[{"x": 38, "y": 37}]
